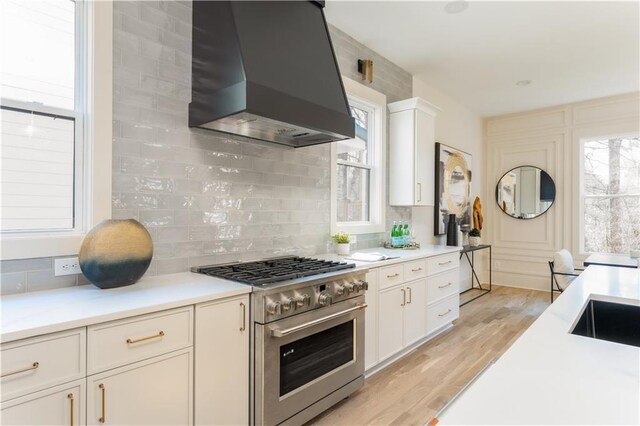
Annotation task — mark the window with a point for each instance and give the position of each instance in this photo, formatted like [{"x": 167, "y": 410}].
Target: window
[
  {"x": 358, "y": 175},
  {"x": 610, "y": 205},
  {"x": 51, "y": 86}
]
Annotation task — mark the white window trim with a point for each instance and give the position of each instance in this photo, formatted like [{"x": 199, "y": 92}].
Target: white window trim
[
  {"x": 97, "y": 148},
  {"x": 580, "y": 138},
  {"x": 377, "y": 190}
]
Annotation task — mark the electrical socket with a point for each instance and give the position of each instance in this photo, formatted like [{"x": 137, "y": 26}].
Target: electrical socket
[
  {"x": 353, "y": 239},
  {"x": 67, "y": 266}
]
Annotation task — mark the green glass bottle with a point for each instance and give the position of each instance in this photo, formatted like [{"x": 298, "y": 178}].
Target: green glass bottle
[{"x": 406, "y": 238}]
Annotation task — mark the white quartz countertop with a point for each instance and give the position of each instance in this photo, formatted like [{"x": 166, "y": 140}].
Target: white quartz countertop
[
  {"x": 550, "y": 376},
  {"x": 32, "y": 314},
  {"x": 398, "y": 255},
  {"x": 42, "y": 312}
]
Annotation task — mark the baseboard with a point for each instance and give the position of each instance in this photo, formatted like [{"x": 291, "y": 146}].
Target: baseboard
[{"x": 404, "y": 352}]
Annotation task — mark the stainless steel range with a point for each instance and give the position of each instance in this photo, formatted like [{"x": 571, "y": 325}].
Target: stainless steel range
[{"x": 308, "y": 334}]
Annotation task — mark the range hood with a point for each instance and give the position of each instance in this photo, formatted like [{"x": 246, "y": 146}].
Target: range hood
[{"x": 267, "y": 70}]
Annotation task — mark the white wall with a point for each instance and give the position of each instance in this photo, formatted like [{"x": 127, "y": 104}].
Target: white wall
[
  {"x": 547, "y": 138},
  {"x": 461, "y": 128}
]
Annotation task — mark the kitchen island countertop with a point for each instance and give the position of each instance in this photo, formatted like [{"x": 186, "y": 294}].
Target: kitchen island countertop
[{"x": 550, "y": 376}]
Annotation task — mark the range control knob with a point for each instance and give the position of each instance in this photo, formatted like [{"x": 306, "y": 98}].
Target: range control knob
[
  {"x": 289, "y": 304},
  {"x": 274, "y": 308},
  {"x": 364, "y": 284},
  {"x": 303, "y": 300},
  {"x": 349, "y": 288},
  {"x": 325, "y": 299},
  {"x": 357, "y": 286}
]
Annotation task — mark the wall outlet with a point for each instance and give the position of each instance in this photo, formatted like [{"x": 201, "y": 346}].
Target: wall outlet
[
  {"x": 353, "y": 239},
  {"x": 67, "y": 266}
]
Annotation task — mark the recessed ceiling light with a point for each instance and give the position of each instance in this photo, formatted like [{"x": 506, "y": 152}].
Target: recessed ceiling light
[
  {"x": 456, "y": 6},
  {"x": 523, "y": 83}
]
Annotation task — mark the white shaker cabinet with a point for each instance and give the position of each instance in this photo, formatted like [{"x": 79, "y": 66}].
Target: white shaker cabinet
[
  {"x": 391, "y": 303},
  {"x": 157, "y": 391},
  {"x": 411, "y": 156},
  {"x": 415, "y": 315},
  {"x": 222, "y": 362},
  {"x": 60, "y": 405}
]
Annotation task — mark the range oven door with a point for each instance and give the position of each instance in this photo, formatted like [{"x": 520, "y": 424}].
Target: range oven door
[{"x": 302, "y": 359}]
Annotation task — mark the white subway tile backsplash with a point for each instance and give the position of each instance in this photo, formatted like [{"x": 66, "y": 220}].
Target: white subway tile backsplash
[{"x": 206, "y": 197}]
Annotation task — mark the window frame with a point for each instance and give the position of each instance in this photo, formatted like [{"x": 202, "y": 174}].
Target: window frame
[
  {"x": 581, "y": 182},
  {"x": 92, "y": 116},
  {"x": 376, "y": 150}
]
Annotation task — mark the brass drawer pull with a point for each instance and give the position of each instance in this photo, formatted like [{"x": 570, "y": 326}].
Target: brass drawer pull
[
  {"x": 441, "y": 315},
  {"x": 404, "y": 297},
  {"x": 444, "y": 286},
  {"x": 244, "y": 317},
  {"x": 416, "y": 270},
  {"x": 22, "y": 370},
  {"x": 142, "y": 339},
  {"x": 104, "y": 397},
  {"x": 444, "y": 263},
  {"x": 394, "y": 275},
  {"x": 70, "y": 396}
]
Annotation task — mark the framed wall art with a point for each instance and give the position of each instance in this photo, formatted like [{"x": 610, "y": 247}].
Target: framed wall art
[{"x": 452, "y": 186}]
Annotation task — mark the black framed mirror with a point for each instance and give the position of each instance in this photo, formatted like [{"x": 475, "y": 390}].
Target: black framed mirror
[{"x": 525, "y": 192}]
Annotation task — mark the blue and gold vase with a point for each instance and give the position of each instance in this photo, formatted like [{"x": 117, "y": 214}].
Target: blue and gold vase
[{"x": 116, "y": 253}]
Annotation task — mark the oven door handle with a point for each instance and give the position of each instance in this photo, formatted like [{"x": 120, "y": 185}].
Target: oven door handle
[{"x": 287, "y": 331}]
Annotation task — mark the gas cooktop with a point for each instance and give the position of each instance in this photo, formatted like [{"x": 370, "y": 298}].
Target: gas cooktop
[{"x": 269, "y": 271}]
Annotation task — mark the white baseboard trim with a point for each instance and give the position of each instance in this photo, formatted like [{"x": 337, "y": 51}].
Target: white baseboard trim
[{"x": 404, "y": 352}]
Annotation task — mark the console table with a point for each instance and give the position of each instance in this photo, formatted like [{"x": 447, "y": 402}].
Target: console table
[{"x": 465, "y": 250}]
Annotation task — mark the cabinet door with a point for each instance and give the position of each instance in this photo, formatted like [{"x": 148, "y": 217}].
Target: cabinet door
[
  {"x": 390, "y": 321},
  {"x": 61, "y": 405},
  {"x": 415, "y": 311},
  {"x": 157, "y": 391},
  {"x": 371, "y": 321},
  {"x": 222, "y": 362},
  {"x": 424, "y": 158}
]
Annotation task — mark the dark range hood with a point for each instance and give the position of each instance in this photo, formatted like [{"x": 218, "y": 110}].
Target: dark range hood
[{"x": 267, "y": 70}]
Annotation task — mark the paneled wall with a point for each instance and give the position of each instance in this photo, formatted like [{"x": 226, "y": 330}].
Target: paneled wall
[
  {"x": 205, "y": 197},
  {"x": 548, "y": 139}
]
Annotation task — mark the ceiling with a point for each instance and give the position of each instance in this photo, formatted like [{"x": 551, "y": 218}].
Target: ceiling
[{"x": 571, "y": 51}]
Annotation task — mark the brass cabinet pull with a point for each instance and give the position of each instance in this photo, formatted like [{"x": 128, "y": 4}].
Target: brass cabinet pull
[
  {"x": 70, "y": 396},
  {"x": 444, "y": 263},
  {"x": 441, "y": 315},
  {"x": 393, "y": 275},
  {"x": 22, "y": 370},
  {"x": 244, "y": 317},
  {"x": 443, "y": 286},
  {"x": 410, "y": 295},
  {"x": 416, "y": 270},
  {"x": 104, "y": 414},
  {"x": 142, "y": 339},
  {"x": 419, "y": 191},
  {"x": 404, "y": 297}
]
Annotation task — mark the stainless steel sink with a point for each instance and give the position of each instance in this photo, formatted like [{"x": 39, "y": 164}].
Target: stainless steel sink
[{"x": 614, "y": 322}]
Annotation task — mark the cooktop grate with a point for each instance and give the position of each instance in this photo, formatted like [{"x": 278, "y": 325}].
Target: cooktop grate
[{"x": 273, "y": 270}]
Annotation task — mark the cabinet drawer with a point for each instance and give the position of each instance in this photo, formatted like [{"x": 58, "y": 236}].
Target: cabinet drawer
[
  {"x": 122, "y": 342},
  {"x": 391, "y": 275},
  {"x": 415, "y": 269},
  {"x": 442, "y": 313},
  {"x": 41, "y": 362},
  {"x": 443, "y": 285},
  {"x": 443, "y": 263}
]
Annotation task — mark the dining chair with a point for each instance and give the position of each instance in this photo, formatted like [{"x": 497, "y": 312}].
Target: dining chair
[{"x": 562, "y": 271}]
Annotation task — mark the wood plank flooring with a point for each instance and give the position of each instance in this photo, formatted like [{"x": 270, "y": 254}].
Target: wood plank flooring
[{"x": 412, "y": 390}]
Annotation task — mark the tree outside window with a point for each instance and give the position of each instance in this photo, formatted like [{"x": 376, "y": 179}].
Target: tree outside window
[{"x": 611, "y": 195}]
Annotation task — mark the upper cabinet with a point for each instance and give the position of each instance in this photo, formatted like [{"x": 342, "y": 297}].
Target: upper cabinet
[{"x": 412, "y": 145}]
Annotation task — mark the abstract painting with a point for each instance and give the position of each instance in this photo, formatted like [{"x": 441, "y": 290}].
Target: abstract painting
[{"x": 452, "y": 186}]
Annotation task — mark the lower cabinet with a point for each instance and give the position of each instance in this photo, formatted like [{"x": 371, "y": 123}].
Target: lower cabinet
[
  {"x": 60, "y": 405},
  {"x": 155, "y": 391},
  {"x": 222, "y": 362},
  {"x": 401, "y": 317}
]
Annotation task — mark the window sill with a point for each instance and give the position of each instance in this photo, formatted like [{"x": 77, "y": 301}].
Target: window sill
[
  {"x": 359, "y": 228},
  {"x": 41, "y": 246}
]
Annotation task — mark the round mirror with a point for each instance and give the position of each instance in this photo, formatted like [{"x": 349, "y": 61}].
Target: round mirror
[{"x": 525, "y": 192}]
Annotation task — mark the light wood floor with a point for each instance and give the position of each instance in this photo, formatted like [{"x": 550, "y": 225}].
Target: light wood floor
[{"x": 412, "y": 390}]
